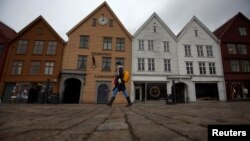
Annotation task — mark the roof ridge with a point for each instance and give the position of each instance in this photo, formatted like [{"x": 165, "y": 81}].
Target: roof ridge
[
  {"x": 40, "y": 17},
  {"x": 93, "y": 12}
]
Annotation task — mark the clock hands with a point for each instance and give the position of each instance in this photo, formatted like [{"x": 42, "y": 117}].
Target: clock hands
[{"x": 103, "y": 20}]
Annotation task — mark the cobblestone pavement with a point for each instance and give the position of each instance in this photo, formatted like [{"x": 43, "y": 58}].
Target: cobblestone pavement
[{"x": 149, "y": 121}]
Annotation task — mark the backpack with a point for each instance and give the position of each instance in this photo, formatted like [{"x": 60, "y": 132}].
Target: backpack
[{"x": 125, "y": 76}]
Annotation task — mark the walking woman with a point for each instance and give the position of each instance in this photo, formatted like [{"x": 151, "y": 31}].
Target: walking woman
[{"x": 119, "y": 85}]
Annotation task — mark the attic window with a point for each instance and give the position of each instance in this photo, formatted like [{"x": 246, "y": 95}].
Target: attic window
[
  {"x": 154, "y": 27},
  {"x": 111, "y": 23},
  {"x": 242, "y": 31},
  {"x": 196, "y": 32},
  {"x": 94, "y": 22}
]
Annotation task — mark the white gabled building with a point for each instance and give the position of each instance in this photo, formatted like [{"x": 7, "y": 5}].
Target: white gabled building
[
  {"x": 200, "y": 65},
  {"x": 154, "y": 59}
]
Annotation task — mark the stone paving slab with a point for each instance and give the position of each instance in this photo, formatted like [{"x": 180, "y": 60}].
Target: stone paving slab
[
  {"x": 115, "y": 135},
  {"x": 113, "y": 126},
  {"x": 140, "y": 122}
]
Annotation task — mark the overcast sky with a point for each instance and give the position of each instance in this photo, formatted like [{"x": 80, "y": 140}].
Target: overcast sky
[{"x": 63, "y": 15}]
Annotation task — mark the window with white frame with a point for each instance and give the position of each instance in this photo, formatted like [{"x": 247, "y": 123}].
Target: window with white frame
[
  {"x": 120, "y": 44},
  {"x": 17, "y": 68},
  {"x": 141, "y": 44},
  {"x": 106, "y": 64},
  {"x": 231, "y": 48},
  {"x": 150, "y": 45},
  {"x": 187, "y": 50},
  {"x": 202, "y": 67},
  {"x": 209, "y": 51},
  {"x": 141, "y": 64},
  {"x": 167, "y": 65},
  {"x": 242, "y": 49},
  {"x": 200, "y": 52},
  {"x": 154, "y": 28},
  {"x": 196, "y": 32},
  {"x": 84, "y": 41},
  {"x": 38, "y": 49},
  {"x": 151, "y": 64},
  {"x": 49, "y": 68},
  {"x": 242, "y": 31},
  {"x": 107, "y": 43},
  {"x": 82, "y": 62},
  {"x": 52, "y": 48},
  {"x": 212, "y": 69},
  {"x": 235, "y": 66},
  {"x": 189, "y": 67},
  {"x": 245, "y": 65},
  {"x": 166, "y": 46},
  {"x": 22, "y": 47}
]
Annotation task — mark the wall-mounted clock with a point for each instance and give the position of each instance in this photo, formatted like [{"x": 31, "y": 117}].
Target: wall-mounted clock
[{"x": 102, "y": 20}]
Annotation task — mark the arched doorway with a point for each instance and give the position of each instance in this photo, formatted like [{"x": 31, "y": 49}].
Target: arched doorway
[
  {"x": 102, "y": 94},
  {"x": 72, "y": 89},
  {"x": 180, "y": 92}
]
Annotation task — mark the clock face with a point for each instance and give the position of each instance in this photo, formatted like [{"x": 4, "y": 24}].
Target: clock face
[{"x": 103, "y": 20}]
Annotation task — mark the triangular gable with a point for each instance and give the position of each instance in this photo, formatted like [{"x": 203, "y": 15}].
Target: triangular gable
[
  {"x": 154, "y": 15},
  {"x": 220, "y": 32},
  {"x": 188, "y": 25},
  {"x": 6, "y": 32},
  {"x": 39, "y": 18},
  {"x": 93, "y": 12}
]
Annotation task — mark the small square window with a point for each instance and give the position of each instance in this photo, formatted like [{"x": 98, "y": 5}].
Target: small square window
[{"x": 242, "y": 31}]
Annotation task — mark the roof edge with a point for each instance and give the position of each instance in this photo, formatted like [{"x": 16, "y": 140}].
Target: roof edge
[
  {"x": 161, "y": 22},
  {"x": 93, "y": 12},
  {"x": 187, "y": 26},
  {"x": 40, "y": 17}
]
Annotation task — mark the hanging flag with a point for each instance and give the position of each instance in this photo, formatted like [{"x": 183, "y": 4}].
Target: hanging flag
[{"x": 93, "y": 60}]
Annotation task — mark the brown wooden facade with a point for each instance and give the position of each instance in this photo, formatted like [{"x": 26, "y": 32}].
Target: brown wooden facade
[
  {"x": 34, "y": 57},
  {"x": 95, "y": 44},
  {"x": 235, "y": 49},
  {"x": 6, "y": 35}
]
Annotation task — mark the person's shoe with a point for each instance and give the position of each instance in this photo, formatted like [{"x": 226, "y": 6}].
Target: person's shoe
[
  {"x": 129, "y": 102},
  {"x": 111, "y": 101}
]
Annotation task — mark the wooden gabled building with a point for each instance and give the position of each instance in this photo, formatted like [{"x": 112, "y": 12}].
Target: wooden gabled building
[
  {"x": 235, "y": 49},
  {"x": 199, "y": 62},
  {"x": 154, "y": 60},
  {"x": 34, "y": 58},
  {"x": 95, "y": 44},
  {"x": 6, "y": 35}
]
